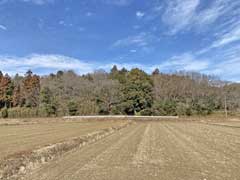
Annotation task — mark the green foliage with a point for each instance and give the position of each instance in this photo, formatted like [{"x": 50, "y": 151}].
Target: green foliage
[
  {"x": 115, "y": 111},
  {"x": 120, "y": 75},
  {"x": 48, "y": 103},
  {"x": 164, "y": 108},
  {"x": 137, "y": 92},
  {"x": 24, "y": 112},
  {"x": 4, "y": 113},
  {"x": 72, "y": 108},
  {"x": 183, "y": 109},
  {"x": 146, "y": 112},
  {"x": 119, "y": 92},
  {"x": 203, "y": 107}
]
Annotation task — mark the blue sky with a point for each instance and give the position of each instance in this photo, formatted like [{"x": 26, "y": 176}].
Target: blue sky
[{"x": 85, "y": 35}]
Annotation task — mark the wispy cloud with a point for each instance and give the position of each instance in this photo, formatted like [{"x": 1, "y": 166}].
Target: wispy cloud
[
  {"x": 52, "y": 62},
  {"x": 56, "y": 62},
  {"x": 224, "y": 37},
  {"x": 227, "y": 68},
  {"x": 47, "y": 62},
  {"x": 185, "y": 15},
  {"x": 37, "y": 2},
  {"x": 140, "y": 40},
  {"x": 226, "y": 63},
  {"x": 2, "y": 27},
  {"x": 179, "y": 14},
  {"x": 118, "y": 2},
  {"x": 223, "y": 62},
  {"x": 229, "y": 37},
  {"x": 186, "y": 61}
]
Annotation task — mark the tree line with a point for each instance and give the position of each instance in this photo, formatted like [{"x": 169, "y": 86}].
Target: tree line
[{"x": 118, "y": 92}]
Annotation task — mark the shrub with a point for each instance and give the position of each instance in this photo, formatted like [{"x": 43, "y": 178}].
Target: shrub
[
  {"x": 164, "y": 108},
  {"x": 72, "y": 108},
  {"x": 146, "y": 112},
  {"x": 23, "y": 112},
  {"x": 4, "y": 113},
  {"x": 183, "y": 109}
]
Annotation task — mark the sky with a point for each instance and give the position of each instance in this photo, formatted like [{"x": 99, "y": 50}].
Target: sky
[{"x": 86, "y": 35}]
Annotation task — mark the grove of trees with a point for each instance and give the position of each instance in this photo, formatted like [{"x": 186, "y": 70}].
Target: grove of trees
[{"x": 118, "y": 92}]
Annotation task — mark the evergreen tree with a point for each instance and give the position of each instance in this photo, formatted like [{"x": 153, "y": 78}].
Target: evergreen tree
[
  {"x": 48, "y": 102},
  {"x": 72, "y": 108},
  {"x": 137, "y": 92}
]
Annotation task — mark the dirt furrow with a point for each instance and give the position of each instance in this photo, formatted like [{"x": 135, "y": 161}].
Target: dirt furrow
[
  {"x": 151, "y": 150},
  {"x": 80, "y": 160},
  {"x": 217, "y": 163}
]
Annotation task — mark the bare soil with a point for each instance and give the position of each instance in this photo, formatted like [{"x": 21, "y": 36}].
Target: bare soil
[
  {"x": 153, "y": 150},
  {"x": 26, "y": 135}
]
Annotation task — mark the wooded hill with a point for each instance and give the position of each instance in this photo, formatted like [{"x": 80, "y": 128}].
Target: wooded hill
[{"x": 131, "y": 92}]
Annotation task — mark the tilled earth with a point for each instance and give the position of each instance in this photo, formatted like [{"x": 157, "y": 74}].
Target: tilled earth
[
  {"x": 27, "y": 137},
  {"x": 153, "y": 150}
]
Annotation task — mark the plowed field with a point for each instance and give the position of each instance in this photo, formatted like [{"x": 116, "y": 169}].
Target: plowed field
[{"x": 153, "y": 150}]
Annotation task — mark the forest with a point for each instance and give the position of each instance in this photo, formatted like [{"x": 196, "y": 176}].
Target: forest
[{"x": 118, "y": 92}]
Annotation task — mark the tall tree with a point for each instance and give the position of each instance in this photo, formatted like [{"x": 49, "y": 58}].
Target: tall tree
[
  {"x": 17, "y": 96},
  {"x": 48, "y": 101},
  {"x": 6, "y": 90},
  {"x": 31, "y": 89},
  {"x": 137, "y": 92}
]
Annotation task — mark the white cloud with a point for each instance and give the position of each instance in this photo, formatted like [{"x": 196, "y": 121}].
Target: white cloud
[
  {"x": 228, "y": 62},
  {"x": 50, "y": 63},
  {"x": 186, "y": 61},
  {"x": 209, "y": 15},
  {"x": 140, "y": 14},
  {"x": 2, "y": 27},
  {"x": 188, "y": 14},
  {"x": 140, "y": 40},
  {"x": 47, "y": 62},
  {"x": 227, "y": 68},
  {"x": 58, "y": 62},
  {"x": 118, "y": 2},
  {"x": 39, "y": 2},
  {"x": 229, "y": 37},
  {"x": 225, "y": 62},
  {"x": 65, "y": 24},
  {"x": 179, "y": 14},
  {"x": 133, "y": 50}
]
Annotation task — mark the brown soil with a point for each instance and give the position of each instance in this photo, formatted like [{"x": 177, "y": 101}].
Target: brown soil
[{"x": 153, "y": 150}]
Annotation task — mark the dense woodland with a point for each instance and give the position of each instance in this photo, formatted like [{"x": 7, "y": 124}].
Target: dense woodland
[{"x": 119, "y": 92}]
